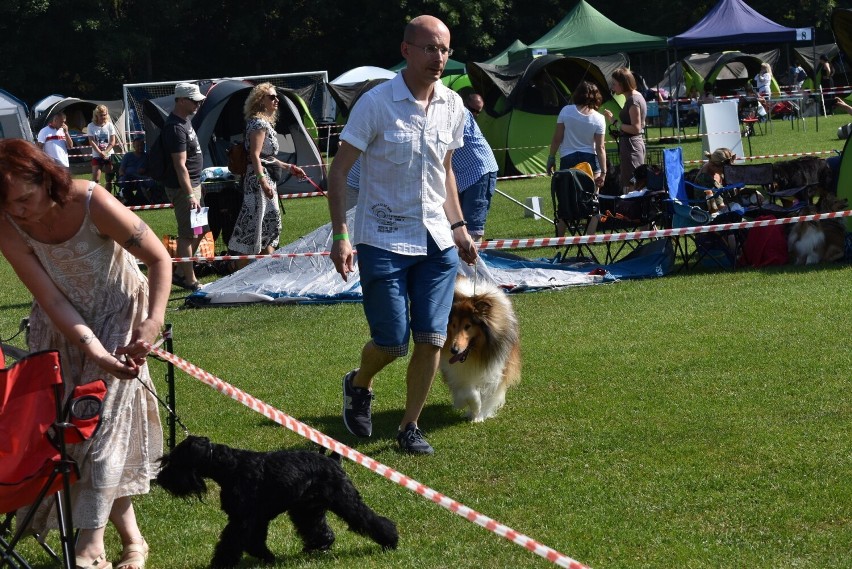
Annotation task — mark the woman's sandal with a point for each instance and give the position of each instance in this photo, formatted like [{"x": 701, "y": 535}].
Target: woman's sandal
[
  {"x": 98, "y": 562},
  {"x": 134, "y": 555}
]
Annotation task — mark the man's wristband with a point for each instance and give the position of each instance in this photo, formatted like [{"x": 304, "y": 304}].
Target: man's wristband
[
  {"x": 458, "y": 224},
  {"x": 340, "y": 236}
]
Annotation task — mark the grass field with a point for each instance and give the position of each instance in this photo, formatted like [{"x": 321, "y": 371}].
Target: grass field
[{"x": 700, "y": 420}]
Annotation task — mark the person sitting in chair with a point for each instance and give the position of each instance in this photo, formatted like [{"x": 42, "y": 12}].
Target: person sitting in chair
[{"x": 135, "y": 185}]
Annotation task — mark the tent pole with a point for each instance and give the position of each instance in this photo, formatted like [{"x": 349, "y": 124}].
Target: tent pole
[
  {"x": 840, "y": 59},
  {"x": 821, "y": 95},
  {"x": 538, "y": 213},
  {"x": 676, "y": 124}
]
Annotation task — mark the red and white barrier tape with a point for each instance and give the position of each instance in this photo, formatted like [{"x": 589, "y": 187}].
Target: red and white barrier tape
[
  {"x": 650, "y": 234},
  {"x": 280, "y": 196},
  {"x": 539, "y": 242},
  {"x": 316, "y": 436},
  {"x": 764, "y": 156},
  {"x": 301, "y": 195}
]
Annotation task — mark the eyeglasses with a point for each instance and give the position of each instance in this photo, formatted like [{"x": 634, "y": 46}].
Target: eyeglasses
[
  {"x": 474, "y": 111},
  {"x": 272, "y": 97},
  {"x": 433, "y": 49}
]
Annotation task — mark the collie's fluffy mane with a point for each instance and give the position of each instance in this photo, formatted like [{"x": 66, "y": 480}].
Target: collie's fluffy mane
[
  {"x": 481, "y": 358},
  {"x": 490, "y": 307}
]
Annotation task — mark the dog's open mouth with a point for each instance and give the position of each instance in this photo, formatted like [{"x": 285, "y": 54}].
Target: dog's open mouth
[{"x": 460, "y": 357}]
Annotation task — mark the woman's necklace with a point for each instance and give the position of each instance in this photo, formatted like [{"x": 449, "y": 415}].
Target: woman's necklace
[{"x": 47, "y": 220}]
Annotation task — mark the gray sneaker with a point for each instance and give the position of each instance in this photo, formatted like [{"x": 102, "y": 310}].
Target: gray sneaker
[
  {"x": 411, "y": 441},
  {"x": 357, "y": 413}
]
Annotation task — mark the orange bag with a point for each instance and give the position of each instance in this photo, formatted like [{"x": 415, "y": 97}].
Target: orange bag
[{"x": 207, "y": 247}]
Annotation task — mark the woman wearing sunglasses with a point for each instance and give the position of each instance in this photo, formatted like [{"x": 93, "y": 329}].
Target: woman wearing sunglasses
[{"x": 258, "y": 226}]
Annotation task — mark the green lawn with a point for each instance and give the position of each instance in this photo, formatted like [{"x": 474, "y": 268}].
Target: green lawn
[{"x": 697, "y": 420}]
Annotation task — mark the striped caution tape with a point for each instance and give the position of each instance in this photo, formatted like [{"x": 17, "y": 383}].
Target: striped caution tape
[
  {"x": 319, "y": 438},
  {"x": 651, "y": 234},
  {"x": 540, "y": 242}
]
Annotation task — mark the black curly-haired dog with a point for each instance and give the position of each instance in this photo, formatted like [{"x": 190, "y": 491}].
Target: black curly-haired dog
[{"x": 258, "y": 486}]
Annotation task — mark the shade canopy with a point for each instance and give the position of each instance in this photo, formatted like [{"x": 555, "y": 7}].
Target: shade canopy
[
  {"x": 585, "y": 31},
  {"x": 733, "y": 22}
]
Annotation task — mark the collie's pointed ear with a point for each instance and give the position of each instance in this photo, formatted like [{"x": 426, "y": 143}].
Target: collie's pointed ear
[{"x": 483, "y": 306}]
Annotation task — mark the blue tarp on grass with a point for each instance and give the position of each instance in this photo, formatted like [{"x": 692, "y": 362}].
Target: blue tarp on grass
[{"x": 314, "y": 279}]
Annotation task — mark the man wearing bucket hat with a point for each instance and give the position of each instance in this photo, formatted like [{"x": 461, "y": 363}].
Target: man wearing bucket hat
[{"x": 182, "y": 179}]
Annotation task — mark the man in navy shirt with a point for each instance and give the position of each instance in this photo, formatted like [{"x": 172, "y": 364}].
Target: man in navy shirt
[{"x": 183, "y": 176}]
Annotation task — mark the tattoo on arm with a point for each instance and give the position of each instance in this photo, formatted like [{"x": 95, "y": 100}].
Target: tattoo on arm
[
  {"x": 87, "y": 339},
  {"x": 135, "y": 239}
]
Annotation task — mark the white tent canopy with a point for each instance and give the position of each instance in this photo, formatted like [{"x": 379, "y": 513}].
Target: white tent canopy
[{"x": 364, "y": 73}]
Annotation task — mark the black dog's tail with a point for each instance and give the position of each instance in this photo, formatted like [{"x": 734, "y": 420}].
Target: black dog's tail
[{"x": 363, "y": 520}]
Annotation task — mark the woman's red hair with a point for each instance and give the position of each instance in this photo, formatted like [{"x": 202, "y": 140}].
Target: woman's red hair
[{"x": 22, "y": 161}]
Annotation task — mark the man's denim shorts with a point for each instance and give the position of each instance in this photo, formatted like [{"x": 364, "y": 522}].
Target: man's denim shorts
[{"x": 405, "y": 294}]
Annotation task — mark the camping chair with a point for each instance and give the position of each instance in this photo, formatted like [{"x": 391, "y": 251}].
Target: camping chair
[
  {"x": 575, "y": 201},
  {"x": 795, "y": 183},
  {"x": 751, "y": 182},
  {"x": 637, "y": 210},
  {"x": 682, "y": 212},
  {"x": 34, "y": 464}
]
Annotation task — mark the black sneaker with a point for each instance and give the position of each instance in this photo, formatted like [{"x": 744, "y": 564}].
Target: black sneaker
[
  {"x": 356, "y": 407},
  {"x": 411, "y": 441}
]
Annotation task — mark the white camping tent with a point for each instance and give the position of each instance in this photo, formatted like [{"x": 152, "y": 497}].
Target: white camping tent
[
  {"x": 79, "y": 115},
  {"x": 14, "y": 122},
  {"x": 364, "y": 73}
]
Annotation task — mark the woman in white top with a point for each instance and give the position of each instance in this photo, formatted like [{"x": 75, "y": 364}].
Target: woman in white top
[
  {"x": 579, "y": 133},
  {"x": 102, "y": 139},
  {"x": 763, "y": 80}
]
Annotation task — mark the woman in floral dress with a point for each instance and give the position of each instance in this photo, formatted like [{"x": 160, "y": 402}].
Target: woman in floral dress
[{"x": 258, "y": 225}]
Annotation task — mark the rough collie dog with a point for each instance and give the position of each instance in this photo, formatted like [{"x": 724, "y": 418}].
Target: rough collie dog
[
  {"x": 481, "y": 358},
  {"x": 818, "y": 241}
]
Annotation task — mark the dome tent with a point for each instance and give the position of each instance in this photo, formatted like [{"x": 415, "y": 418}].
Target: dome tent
[
  {"x": 220, "y": 121},
  {"x": 14, "y": 122},
  {"x": 523, "y": 99}
]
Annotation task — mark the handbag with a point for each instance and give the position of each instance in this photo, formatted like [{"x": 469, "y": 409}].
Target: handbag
[{"x": 237, "y": 158}]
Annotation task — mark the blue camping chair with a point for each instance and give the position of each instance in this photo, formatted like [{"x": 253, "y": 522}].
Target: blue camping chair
[{"x": 717, "y": 248}]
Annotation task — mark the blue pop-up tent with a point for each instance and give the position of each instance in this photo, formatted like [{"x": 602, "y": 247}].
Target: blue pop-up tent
[{"x": 731, "y": 23}]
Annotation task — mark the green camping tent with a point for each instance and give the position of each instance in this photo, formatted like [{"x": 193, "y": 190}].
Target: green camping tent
[
  {"x": 585, "y": 31},
  {"x": 523, "y": 99},
  {"x": 502, "y": 58},
  {"x": 726, "y": 71}
]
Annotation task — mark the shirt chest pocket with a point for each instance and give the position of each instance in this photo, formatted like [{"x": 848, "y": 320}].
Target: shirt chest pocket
[
  {"x": 399, "y": 146},
  {"x": 445, "y": 137}
]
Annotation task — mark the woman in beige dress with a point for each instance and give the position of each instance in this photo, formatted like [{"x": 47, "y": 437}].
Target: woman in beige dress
[{"x": 74, "y": 246}]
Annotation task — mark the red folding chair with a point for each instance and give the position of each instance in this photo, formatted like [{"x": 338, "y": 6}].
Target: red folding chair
[{"x": 34, "y": 463}]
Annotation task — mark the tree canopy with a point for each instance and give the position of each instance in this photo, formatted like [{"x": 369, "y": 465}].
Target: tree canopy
[{"x": 89, "y": 48}]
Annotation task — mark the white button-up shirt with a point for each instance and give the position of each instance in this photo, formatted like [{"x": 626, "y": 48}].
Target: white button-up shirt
[{"x": 403, "y": 181}]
